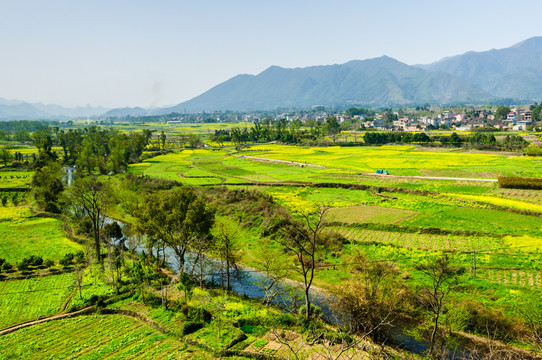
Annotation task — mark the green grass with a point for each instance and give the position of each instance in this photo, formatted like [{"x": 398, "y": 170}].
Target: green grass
[
  {"x": 92, "y": 337},
  {"x": 24, "y": 236},
  {"x": 29, "y": 299}
]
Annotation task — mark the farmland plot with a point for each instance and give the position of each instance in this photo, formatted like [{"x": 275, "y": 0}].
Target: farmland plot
[
  {"x": 29, "y": 299},
  {"x": 91, "y": 337}
]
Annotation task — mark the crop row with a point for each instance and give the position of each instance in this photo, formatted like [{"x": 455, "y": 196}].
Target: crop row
[
  {"x": 90, "y": 337},
  {"x": 528, "y": 278},
  {"x": 25, "y": 300},
  {"x": 421, "y": 241}
]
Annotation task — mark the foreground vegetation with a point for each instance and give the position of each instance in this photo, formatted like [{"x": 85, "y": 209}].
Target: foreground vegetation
[{"x": 303, "y": 216}]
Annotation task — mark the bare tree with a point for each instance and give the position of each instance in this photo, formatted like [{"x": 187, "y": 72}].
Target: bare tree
[
  {"x": 273, "y": 275},
  {"x": 302, "y": 239},
  {"x": 443, "y": 278},
  {"x": 367, "y": 303},
  {"x": 79, "y": 274}
]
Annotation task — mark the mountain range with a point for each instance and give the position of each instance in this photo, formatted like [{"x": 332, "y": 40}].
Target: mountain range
[
  {"x": 19, "y": 110},
  {"x": 513, "y": 74}
]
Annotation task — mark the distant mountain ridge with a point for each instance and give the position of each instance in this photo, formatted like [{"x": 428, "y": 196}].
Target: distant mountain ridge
[
  {"x": 20, "y": 110},
  {"x": 375, "y": 82},
  {"x": 514, "y": 72},
  {"x": 474, "y": 77}
]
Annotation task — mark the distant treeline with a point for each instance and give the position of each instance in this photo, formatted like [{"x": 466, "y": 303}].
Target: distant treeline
[
  {"x": 89, "y": 148},
  {"x": 20, "y": 130},
  {"x": 477, "y": 140},
  {"x": 516, "y": 182}
]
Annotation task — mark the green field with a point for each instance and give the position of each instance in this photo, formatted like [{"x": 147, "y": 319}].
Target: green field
[
  {"x": 93, "y": 337},
  {"x": 15, "y": 179},
  {"x": 29, "y": 299},
  {"x": 23, "y": 235}
]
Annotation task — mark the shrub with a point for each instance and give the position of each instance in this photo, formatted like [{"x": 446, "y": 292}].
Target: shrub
[
  {"x": 197, "y": 313},
  {"x": 67, "y": 260},
  {"x": 190, "y": 327},
  {"x": 35, "y": 260},
  {"x": 49, "y": 263},
  {"x": 315, "y": 310},
  {"x": 516, "y": 182},
  {"x": 7, "y": 266},
  {"x": 260, "y": 343},
  {"x": 79, "y": 257},
  {"x": 22, "y": 266},
  {"x": 475, "y": 318}
]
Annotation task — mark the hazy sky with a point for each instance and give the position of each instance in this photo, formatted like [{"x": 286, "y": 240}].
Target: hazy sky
[{"x": 153, "y": 53}]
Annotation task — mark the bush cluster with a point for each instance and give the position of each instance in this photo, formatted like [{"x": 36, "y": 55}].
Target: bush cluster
[
  {"x": 32, "y": 260},
  {"x": 516, "y": 182},
  {"x": 4, "y": 265}
]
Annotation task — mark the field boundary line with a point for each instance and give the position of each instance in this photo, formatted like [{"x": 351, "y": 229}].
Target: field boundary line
[
  {"x": 30, "y": 276},
  {"x": 84, "y": 311},
  {"x": 431, "y": 177},
  {"x": 137, "y": 316}
]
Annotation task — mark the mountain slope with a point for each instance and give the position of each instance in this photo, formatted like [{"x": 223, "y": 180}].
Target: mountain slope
[
  {"x": 375, "y": 82},
  {"x": 513, "y": 72}
]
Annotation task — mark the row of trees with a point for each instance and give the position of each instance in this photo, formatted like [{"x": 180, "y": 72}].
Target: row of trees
[
  {"x": 478, "y": 139},
  {"x": 280, "y": 130}
]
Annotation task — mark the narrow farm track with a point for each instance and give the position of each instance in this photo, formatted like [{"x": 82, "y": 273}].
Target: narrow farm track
[
  {"x": 293, "y": 163},
  {"x": 285, "y": 162},
  {"x": 431, "y": 178}
]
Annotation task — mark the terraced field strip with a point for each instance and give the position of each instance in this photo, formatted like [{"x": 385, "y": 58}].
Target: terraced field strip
[
  {"x": 91, "y": 337},
  {"x": 528, "y": 278},
  {"x": 367, "y": 213},
  {"x": 420, "y": 241},
  {"x": 30, "y": 299}
]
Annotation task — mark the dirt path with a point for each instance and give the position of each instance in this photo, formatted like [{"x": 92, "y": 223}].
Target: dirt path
[
  {"x": 285, "y": 162},
  {"x": 278, "y": 161},
  {"x": 431, "y": 177}
]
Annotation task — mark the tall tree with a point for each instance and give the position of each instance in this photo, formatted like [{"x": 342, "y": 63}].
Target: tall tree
[
  {"x": 227, "y": 249},
  {"x": 163, "y": 139},
  {"x": 177, "y": 218},
  {"x": 5, "y": 154},
  {"x": 501, "y": 112},
  {"x": 47, "y": 186},
  {"x": 87, "y": 160},
  {"x": 93, "y": 198},
  {"x": 333, "y": 127}
]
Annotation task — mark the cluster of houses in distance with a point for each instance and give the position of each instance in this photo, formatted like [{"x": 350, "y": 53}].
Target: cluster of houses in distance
[{"x": 427, "y": 118}]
